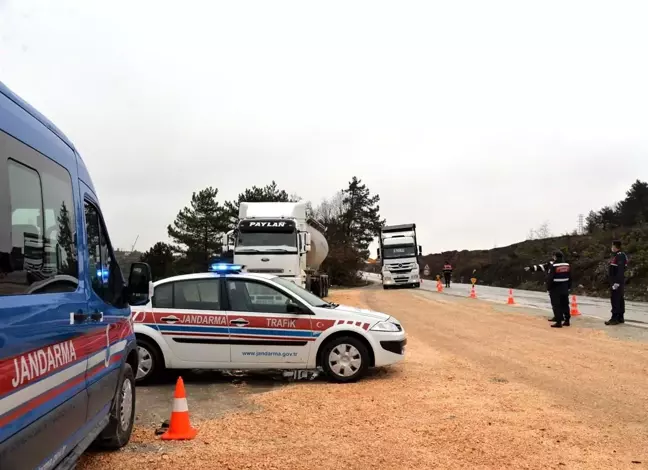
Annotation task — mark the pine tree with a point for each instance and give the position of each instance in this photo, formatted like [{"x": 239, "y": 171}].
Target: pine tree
[
  {"x": 361, "y": 217},
  {"x": 267, "y": 193},
  {"x": 634, "y": 208},
  {"x": 65, "y": 240},
  {"x": 160, "y": 259},
  {"x": 352, "y": 221},
  {"x": 197, "y": 229}
]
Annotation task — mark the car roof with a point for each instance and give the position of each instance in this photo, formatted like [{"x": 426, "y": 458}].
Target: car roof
[{"x": 211, "y": 275}]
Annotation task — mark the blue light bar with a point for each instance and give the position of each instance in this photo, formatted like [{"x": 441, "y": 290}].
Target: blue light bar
[{"x": 225, "y": 268}]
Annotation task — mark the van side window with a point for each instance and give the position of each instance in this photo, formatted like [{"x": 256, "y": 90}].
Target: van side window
[
  {"x": 106, "y": 278},
  {"x": 43, "y": 257}
]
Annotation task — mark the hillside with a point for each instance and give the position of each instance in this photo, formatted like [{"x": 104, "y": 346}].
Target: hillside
[{"x": 588, "y": 254}]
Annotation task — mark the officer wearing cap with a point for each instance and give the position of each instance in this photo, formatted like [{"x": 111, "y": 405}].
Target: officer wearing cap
[
  {"x": 559, "y": 283},
  {"x": 616, "y": 274}
]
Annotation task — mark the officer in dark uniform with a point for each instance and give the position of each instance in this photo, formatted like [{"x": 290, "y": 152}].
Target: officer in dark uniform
[
  {"x": 559, "y": 283},
  {"x": 616, "y": 274},
  {"x": 447, "y": 273}
]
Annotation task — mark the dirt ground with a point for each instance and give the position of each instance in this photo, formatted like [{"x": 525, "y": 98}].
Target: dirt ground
[{"x": 482, "y": 387}]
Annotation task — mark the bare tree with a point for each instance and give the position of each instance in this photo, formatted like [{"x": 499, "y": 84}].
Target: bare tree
[
  {"x": 540, "y": 233},
  {"x": 330, "y": 209},
  {"x": 543, "y": 231}
]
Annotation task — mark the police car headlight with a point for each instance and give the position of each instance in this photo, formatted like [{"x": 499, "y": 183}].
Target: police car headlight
[{"x": 387, "y": 326}]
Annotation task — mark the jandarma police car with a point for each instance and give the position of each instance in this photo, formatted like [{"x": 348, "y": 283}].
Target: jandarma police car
[{"x": 229, "y": 319}]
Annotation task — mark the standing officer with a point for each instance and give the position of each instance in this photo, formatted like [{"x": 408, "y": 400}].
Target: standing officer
[
  {"x": 616, "y": 273},
  {"x": 447, "y": 273},
  {"x": 559, "y": 283}
]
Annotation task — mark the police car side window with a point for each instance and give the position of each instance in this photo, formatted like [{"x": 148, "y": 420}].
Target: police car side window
[
  {"x": 38, "y": 252},
  {"x": 201, "y": 294},
  {"x": 105, "y": 275},
  {"x": 163, "y": 296},
  {"x": 246, "y": 296}
]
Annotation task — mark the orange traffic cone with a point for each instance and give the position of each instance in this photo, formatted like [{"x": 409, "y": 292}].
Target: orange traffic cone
[
  {"x": 439, "y": 287},
  {"x": 473, "y": 294},
  {"x": 574, "y": 307},
  {"x": 180, "y": 428},
  {"x": 511, "y": 300}
]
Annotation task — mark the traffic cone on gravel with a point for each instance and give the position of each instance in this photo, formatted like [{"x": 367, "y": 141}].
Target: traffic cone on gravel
[
  {"x": 511, "y": 300},
  {"x": 473, "y": 294},
  {"x": 180, "y": 428},
  {"x": 573, "y": 311}
]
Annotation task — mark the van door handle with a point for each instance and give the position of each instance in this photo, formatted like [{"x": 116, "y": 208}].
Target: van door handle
[
  {"x": 240, "y": 321},
  {"x": 80, "y": 317},
  {"x": 97, "y": 316}
]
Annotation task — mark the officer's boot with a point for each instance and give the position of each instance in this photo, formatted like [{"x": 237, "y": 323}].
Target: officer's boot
[
  {"x": 558, "y": 324},
  {"x": 566, "y": 322}
]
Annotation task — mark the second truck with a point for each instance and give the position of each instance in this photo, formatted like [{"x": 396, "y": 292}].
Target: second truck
[
  {"x": 278, "y": 238},
  {"x": 399, "y": 256}
]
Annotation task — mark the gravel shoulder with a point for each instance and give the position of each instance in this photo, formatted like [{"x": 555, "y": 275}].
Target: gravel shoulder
[{"x": 483, "y": 386}]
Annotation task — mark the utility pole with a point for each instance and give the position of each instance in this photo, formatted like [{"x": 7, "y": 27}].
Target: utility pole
[{"x": 581, "y": 228}]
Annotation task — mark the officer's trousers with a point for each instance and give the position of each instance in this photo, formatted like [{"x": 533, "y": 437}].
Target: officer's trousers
[
  {"x": 618, "y": 303},
  {"x": 559, "y": 296},
  {"x": 447, "y": 277}
]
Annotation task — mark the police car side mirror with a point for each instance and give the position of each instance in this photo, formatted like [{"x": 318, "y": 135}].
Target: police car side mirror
[{"x": 139, "y": 284}]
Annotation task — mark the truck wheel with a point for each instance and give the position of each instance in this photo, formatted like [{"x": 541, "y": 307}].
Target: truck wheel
[
  {"x": 345, "y": 359},
  {"x": 122, "y": 416},
  {"x": 150, "y": 364}
]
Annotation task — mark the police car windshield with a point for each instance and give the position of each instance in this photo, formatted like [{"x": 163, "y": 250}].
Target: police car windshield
[
  {"x": 267, "y": 239},
  {"x": 309, "y": 298},
  {"x": 399, "y": 251}
]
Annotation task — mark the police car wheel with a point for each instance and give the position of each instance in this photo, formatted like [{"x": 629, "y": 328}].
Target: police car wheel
[
  {"x": 345, "y": 359},
  {"x": 149, "y": 364},
  {"x": 122, "y": 416}
]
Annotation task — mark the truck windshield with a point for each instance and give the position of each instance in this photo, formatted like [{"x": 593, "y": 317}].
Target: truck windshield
[
  {"x": 309, "y": 298},
  {"x": 274, "y": 239},
  {"x": 406, "y": 251}
]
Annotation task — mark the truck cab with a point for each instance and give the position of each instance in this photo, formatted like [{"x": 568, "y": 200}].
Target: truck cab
[
  {"x": 67, "y": 347},
  {"x": 399, "y": 256},
  {"x": 277, "y": 238}
]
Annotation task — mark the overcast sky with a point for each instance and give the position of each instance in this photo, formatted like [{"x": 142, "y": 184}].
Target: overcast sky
[{"x": 477, "y": 120}]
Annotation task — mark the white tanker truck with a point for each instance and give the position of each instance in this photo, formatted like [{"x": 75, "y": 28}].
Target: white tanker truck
[{"x": 277, "y": 238}]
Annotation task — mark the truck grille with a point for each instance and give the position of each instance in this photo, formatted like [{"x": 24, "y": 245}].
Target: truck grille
[{"x": 396, "y": 267}]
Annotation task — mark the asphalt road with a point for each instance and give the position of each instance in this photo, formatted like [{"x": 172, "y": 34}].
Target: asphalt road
[{"x": 636, "y": 312}]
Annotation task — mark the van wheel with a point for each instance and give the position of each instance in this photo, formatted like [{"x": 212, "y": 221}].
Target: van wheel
[
  {"x": 150, "y": 364},
  {"x": 345, "y": 359},
  {"x": 122, "y": 416}
]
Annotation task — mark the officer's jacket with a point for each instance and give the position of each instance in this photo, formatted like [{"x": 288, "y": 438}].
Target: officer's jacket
[
  {"x": 616, "y": 270},
  {"x": 447, "y": 269},
  {"x": 556, "y": 273}
]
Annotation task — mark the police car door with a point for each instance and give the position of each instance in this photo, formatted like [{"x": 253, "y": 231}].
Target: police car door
[
  {"x": 195, "y": 327},
  {"x": 263, "y": 329}
]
